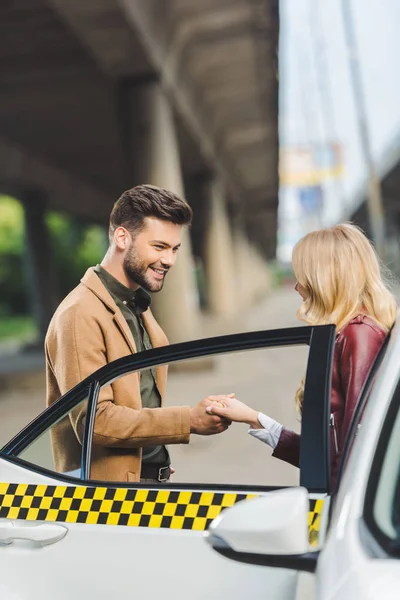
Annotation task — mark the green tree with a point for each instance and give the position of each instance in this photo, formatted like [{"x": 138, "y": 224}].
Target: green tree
[
  {"x": 13, "y": 296},
  {"x": 76, "y": 246}
]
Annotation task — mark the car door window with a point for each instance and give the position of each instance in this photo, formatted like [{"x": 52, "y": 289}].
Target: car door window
[
  {"x": 232, "y": 457},
  {"x": 314, "y": 448},
  {"x": 43, "y": 452},
  {"x": 382, "y": 503},
  {"x": 236, "y": 459}
]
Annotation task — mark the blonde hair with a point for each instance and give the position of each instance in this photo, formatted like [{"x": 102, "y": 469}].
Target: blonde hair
[{"x": 340, "y": 273}]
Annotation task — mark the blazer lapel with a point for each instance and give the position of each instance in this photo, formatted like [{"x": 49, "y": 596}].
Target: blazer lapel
[
  {"x": 156, "y": 334},
  {"x": 123, "y": 326},
  {"x": 157, "y": 338},
  {"x": 92, "y": 281}
]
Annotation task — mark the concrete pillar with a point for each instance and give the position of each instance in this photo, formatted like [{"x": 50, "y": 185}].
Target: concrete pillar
[
  {"x": 156, "y": 161},
  {"x": 252, "y": 271},
  {"x": 40, "y": 273},
  {"x": 262, "y": 276},
  {"x": 244, "y": 269},
  {"x": 220, "y": 265},
  {"x": 261, "y": 227}
]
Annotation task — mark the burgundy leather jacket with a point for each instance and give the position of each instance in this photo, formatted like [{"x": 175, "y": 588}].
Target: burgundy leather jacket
[{"x": 356, "y": 348}]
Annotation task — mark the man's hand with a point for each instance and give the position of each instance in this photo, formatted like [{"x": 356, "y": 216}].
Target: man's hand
[
  {"x": 203, "y": 423},
  {"x": 235, "y": 410}
]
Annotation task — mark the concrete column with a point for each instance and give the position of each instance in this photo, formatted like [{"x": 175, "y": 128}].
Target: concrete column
[
  {"x": 252, "y": 271},
  {"x": 244, "y": 269},
  {"x": 262, "y": 276},
  {"x": 40, "y": 272},
  {"x": 261, "y": 226},
  {"x": 156, "y": 161},
  {"x": 222, "y": 286}
]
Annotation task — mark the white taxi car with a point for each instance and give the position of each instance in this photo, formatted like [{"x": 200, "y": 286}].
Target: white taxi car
[
  {"x": 360, "y": 558},
  {"x": 64, "y": 535}
]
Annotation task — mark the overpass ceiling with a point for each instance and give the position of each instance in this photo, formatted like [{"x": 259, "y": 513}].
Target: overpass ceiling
[
  {"x": 219, "y": 57},
  {"x": 56, "y": 101},
  {"x": 388, "y": 171},
  {"x": 61, "y": 60}
]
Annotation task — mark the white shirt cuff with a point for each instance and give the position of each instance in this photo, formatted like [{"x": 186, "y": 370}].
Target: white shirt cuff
[{"x": 270, "y": 433}]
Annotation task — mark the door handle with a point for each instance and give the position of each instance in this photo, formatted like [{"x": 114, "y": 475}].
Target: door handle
[{"x": 42, "y": 535}]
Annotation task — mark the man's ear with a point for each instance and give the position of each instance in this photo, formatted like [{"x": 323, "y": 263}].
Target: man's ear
[{"x": 122, "y": 238}]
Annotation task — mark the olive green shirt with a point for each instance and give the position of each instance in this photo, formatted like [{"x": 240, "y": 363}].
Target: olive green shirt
[{"x": 132, "y": 304}]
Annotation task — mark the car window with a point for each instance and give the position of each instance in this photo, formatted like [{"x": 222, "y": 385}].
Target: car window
[
  {"x": 42, "y": 453},
  {"x": 244, "y": 364},
  {"x": 234, "y": 456},
  {"x": 382, "y": 505},
  {"x": 386, "y": 505}
]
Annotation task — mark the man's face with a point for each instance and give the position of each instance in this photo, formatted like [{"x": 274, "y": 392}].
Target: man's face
[{"x": 152, "y": 253}]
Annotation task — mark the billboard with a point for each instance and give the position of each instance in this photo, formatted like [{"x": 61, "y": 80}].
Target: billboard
[{"x": 309, "y": 166}]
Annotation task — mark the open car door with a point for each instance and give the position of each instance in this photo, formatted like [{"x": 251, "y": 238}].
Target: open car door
[{"x": 63, "y": 535}]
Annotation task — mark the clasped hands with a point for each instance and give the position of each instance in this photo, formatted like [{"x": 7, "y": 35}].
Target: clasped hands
[{"x": 214, "y": 414}]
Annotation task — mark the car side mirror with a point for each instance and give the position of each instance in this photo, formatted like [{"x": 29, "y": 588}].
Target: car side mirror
[{"x": 271, "y": 530}]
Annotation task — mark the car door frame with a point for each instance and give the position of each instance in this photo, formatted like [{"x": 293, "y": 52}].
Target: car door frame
[{"x": 314, "y": 445}]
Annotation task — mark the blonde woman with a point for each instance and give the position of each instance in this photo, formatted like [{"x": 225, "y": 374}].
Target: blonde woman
[{"x": 340, "y": 282}]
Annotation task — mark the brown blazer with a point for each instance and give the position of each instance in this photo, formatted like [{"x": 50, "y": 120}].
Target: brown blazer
[{"x": 86, "y": 332}]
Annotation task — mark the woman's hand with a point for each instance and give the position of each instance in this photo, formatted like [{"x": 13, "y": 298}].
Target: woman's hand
[{"x": 234, "y": 410}]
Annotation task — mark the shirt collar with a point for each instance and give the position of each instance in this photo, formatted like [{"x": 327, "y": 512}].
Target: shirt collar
[{"x": 138, "y": 301}]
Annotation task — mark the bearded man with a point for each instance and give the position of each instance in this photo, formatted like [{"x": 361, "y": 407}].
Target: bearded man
[{"x": 107, "y": 316}]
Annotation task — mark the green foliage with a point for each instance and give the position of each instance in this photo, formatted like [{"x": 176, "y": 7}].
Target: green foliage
[
  {"x": 11, "y": 226},
  {"x": 74, "y": 247},
  {"x": 13, "y": 296},
  {"x": 21, "y": 328}
]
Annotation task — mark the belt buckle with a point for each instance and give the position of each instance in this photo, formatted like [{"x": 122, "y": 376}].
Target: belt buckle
[{"x": 160, "y": 476}]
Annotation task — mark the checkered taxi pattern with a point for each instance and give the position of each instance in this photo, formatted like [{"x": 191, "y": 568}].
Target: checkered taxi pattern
[
  {"x": 120, "y": 506},
  {"x": 114, "y": 506},
  {"x": 314, "y": 520}
]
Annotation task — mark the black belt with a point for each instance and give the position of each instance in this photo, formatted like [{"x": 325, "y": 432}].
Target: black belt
[{"x": 155, "y": 472}]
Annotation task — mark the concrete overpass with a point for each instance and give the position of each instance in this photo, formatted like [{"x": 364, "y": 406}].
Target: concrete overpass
[
  {"x": 98, "y": 96},
  {"x": 389, "y": 174}
]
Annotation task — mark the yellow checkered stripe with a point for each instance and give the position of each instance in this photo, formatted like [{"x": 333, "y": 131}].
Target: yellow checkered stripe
[
  {"x": 314, "y": 520},
  {"x": 114, "y": 506},
  {"x": 164, "y": 508}
]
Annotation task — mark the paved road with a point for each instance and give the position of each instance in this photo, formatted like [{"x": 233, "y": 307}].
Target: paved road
[{"x": 266, "y": 379}]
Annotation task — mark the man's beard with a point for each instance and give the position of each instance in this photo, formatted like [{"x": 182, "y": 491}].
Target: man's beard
[{"x": 137, "y": 271}]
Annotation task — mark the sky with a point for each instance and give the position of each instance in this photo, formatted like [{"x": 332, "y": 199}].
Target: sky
[{"x": 317, "y": 100}]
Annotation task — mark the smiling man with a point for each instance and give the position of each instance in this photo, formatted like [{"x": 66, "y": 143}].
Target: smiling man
[{"x": 107, "y": 316}]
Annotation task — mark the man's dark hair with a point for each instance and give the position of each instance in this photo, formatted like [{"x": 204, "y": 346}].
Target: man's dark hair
[{"x": 131, "y": 209}]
